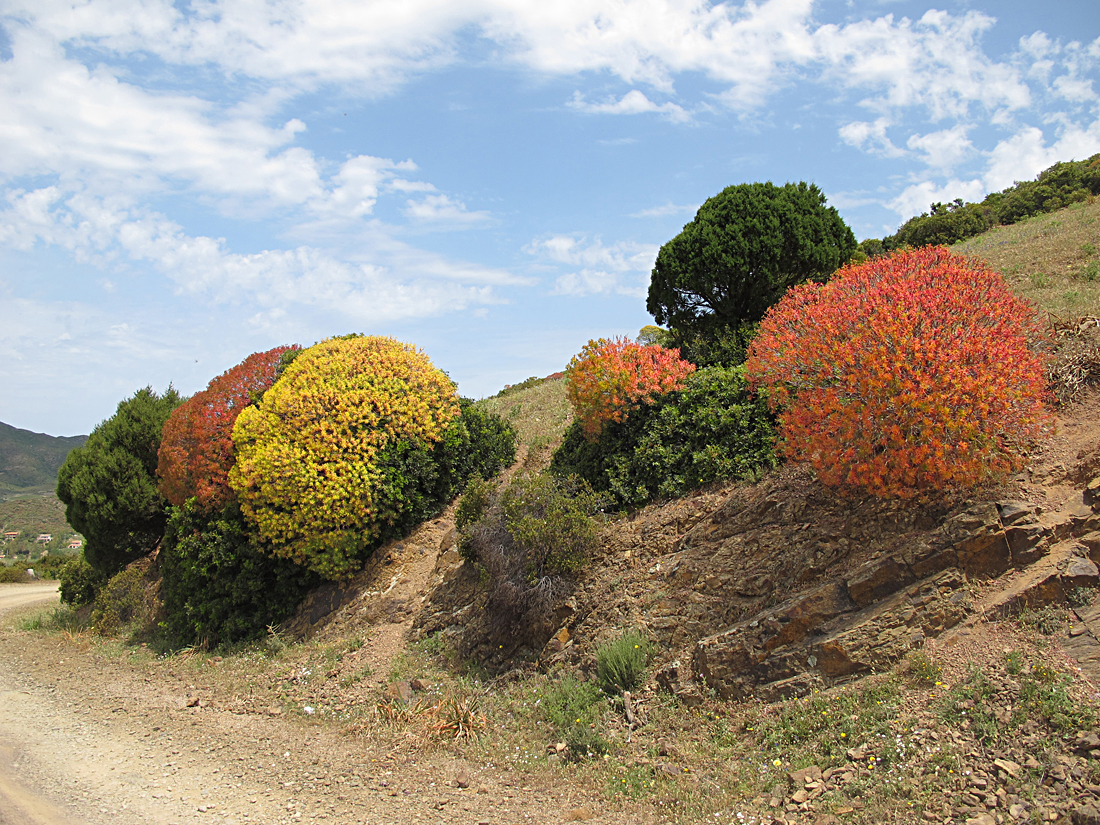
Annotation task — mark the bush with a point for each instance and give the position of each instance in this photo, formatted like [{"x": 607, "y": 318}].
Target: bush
[
  {"x": 711, "y": 430},
  {"x": 907, "y": 374},
  {"x": 323, "y": 462},
  {"x": 608, "y": 379},
  {"x": 534, "y": 537},
  {"x": 196, "y": 448},
  {"x": 121, "y": 601},
  {"x": 745, "y": 247},
  {"x": 573, "y": 708},
  {"x": 216, "y": 587},
  {"x": 621, "y": 664},
  {"x": 80, "y": 583},
  {"x": 109, "y": 484}
]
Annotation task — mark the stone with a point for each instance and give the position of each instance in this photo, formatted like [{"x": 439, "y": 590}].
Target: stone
[
  {"x": 419, "y": 685},
  {"x": 401, "y": 691},
  {"x": 558, "y": 641},
  {"x": 1080, "y": 572},
  {"x": 1091, "y": 542},
  {"x": 1012, "y": 512},
  {"x": 981, "y": 819},
  {"x": 1027, "y": 543},
  {"x": 1085, "y": 742},
  {"x": 801, "y": 777},
  {"x": 1008, "y": 766},
  {"x": 1087, "y": 814},
  {"x": 449, "y": 540},
  {"x": 462, "y": 779},
  {"x": 877, "y": 579},
  {"x": 800, "y": 796}
]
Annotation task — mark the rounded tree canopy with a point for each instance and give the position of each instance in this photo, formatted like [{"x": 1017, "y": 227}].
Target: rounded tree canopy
[
  {"x": 745, "y": 247},
  {"x": 109, "y": 485}
]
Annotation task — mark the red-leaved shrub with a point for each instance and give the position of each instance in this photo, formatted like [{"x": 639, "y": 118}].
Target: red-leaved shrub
[
  {"x": 196, "y": 447},
  {"x": 609, "y": 378},
  {"x": 903, "y": 375}
]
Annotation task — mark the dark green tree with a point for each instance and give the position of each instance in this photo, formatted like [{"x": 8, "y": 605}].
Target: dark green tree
[
  {"x": 745, "y": 247},
  {"x": 109, "y": 485}
]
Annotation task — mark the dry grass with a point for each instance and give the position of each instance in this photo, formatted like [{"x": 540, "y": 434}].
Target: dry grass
[
  {"x": 540, "y": 414},
  {"x": 1052, "y": 260}
]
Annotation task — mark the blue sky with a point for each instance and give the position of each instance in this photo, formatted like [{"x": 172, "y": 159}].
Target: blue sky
[{"x": 184, "y": 183}]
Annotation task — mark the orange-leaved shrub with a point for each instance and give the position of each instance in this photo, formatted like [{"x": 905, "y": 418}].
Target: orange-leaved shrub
[
  {"x": 903, "y": 375},
  {"x": 196, "y": 446},
  {"x": 609, "y": 378}
]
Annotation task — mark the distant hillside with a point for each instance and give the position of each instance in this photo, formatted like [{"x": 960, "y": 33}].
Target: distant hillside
[{"x": 31, "y": 460}]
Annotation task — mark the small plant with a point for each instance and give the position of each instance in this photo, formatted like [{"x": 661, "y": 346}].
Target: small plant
[
  {"x": 1091, "y": 271},
  {"x": 1039, "y": 280},
  {"x": 970, "y": 704},
  {"x": 573, "y": 708},
  {"x": 459, "y": 718},
  {"x": 1046, "y": 620},
  {"x": 1088, "y": 249},
  {"x": 1080, "y": 596},
  {"x": 621, "y": 664},
  {"x": 922, "y": 669},
  {"x": 1014, "y": 662}
]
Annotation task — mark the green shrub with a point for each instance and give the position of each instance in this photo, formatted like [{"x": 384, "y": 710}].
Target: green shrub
[
  {"x": 217, "y": 587},
  {"x": 15, "y": 573},
  {"x": 109, "y": 485},
  {"x": 534, "y": 537},
  {"x": 714, "y": 429},
  {"x": 621, "y": 664},
  {"x": 573, "y": 708},
  {"x": 80, "y": 582},
  {"x": 471, "y": 507},
  {"x": 120, "y": 602}
]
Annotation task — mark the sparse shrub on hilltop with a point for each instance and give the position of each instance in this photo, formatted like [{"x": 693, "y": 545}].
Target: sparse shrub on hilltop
[
  {"x": 1058, "y": 186},
  {"x": 712, "y": 429},
  {"x": 217, "y": 587},
  {"x": 609, "y": 378},
  {"x": 109, "y": 485},
  {"x": 907, "y": 374},
  {"x": 196, "y": 448}
]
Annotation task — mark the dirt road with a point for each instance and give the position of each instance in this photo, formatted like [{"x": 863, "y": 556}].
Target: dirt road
[{"x": 102, "y": 735}]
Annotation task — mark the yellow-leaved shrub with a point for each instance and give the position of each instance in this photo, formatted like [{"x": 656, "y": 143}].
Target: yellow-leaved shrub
[{"x": 314, "y": 473}]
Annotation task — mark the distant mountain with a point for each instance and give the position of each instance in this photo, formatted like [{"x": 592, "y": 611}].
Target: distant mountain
[{"x": 29, "y": 460}]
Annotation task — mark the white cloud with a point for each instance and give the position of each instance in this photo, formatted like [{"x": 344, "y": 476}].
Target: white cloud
[
  {"x": 622, "y": 268},
  {"x": 944, "y": 149},
  {"x": 935, "y": 63},
  {"x": 632, "y": 103},
  {"x": 1026, "y": 153},
  {"x": 870, "y": 137},
  {"x": 442, "y": 209},
  {"x": 386, "y": 281},
  {"x": 666, "y": 210},
  {"x": 917, "y": 198}
]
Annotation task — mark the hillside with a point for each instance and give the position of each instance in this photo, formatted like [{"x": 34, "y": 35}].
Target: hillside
[
  {"x": 31, "y": 460},
  {"x": 1052, "y": 260},
  {"x": 802, "y": 656}
]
